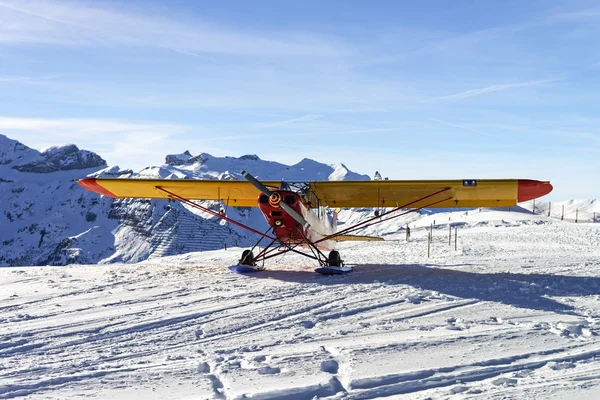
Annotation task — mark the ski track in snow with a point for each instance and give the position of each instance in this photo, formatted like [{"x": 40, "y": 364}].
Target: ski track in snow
[{"x": 513, "y": 312}]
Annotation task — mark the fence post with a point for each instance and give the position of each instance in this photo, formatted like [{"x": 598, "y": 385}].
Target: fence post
[
  {"x": 549, "y": 208},
  {"x": 533, "y": 208},
  {"x": 455, "y": 237},
  {"x": 429, "y": 244},
  {"x": 562, "y": 216},
  {"x": 576, "y": 214}
]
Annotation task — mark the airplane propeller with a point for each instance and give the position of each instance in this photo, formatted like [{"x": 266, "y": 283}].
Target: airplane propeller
[{"x": 282, "y": 204}]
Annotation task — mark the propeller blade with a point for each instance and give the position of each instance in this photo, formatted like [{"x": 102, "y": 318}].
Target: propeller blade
[
  {"x": 294, "y": 215},
  {"x": 263, "y": 189},
  {"x": 256, "y": 183}
]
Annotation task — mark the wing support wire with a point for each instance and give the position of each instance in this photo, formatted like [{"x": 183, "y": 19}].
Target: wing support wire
[
  {"x": 190, "y": 203},
  {"x": 380, "y": 216}
]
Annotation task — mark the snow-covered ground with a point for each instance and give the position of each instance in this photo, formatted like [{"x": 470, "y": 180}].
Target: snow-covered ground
[{"x": 514, "y": 312}]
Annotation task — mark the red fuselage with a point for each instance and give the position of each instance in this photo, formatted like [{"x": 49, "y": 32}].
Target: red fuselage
[
  {"x": 286, "y": 229},
  {"x": 284, "y": 226}
]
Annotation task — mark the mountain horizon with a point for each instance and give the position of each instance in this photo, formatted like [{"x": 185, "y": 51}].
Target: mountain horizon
[{"x": 47, "y": 219}]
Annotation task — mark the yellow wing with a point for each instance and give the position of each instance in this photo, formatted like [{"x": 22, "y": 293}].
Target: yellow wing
[
  {"x": 335, "y": 194},
  {"x": 234, "y": 193},
  {"x": 460, "y": 193}
]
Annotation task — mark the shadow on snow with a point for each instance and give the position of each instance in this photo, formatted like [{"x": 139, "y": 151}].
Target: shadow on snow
[{"x": 530, "y": 291}]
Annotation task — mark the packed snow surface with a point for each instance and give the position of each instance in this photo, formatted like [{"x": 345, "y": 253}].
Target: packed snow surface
[{"x": 513, "y": 312}]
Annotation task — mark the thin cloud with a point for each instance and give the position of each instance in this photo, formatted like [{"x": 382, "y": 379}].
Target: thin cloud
[
  {"x": 24, "y": 79},
  {"x": 192, "y": 54},
  {"x": 459, "y": 126},
  {"x": 67, "y": 22},
  {"x": 489, "y": 89},
  {"x": 304, "y": 134},
  {"x": 573, "y": 135},
  {"x": 11, "y": 79},
  {"x": 77, "y": 127},
  {"x": 278, "y": 124},
  {"x": 579, "y": 15}
]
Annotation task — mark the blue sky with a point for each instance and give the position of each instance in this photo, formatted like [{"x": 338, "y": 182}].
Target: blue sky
[{"x": 416, "y": 90}]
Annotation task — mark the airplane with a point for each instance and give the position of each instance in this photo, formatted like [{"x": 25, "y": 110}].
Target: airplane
[{"x": 296, "y": 212}]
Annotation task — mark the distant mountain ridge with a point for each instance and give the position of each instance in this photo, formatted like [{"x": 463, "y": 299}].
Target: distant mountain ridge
[{"x": 47, "y": 219}]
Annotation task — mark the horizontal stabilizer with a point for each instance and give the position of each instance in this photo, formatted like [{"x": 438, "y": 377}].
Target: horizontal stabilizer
[{"x": 358, "y": 238}]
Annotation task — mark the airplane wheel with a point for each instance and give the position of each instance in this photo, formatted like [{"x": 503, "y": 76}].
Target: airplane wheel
[
  {"x": 334, "y": 259},
  {"x": 247, "y": 258}
]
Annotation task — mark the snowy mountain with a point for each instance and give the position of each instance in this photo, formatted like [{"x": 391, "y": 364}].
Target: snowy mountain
[{"x": 47, "y": 219}]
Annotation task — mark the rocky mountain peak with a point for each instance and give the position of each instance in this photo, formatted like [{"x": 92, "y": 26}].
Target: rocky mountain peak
[
  {"x": 250, "y": 157},
  {"x": 62, "y": 158},
  {"x": 178, "y": 159},
  {"x": 12, "y": 151}
]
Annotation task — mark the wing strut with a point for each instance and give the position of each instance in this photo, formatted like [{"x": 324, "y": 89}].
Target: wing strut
[
  {"x": 216, "y": 214},
  {"x": 360, "y": 224}
]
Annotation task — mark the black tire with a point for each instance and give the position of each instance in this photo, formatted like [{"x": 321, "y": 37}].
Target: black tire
[
  {"x": 247, "y": 258},
  {"x": 335, "y": 260}
]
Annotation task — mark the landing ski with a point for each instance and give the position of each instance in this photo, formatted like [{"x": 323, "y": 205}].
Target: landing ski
[
  {"x": 333, "y": 270},
  {"x": 243, "y": 269}
]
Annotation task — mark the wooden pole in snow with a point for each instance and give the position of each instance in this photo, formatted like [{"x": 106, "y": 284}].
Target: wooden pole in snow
[
  {"x": 429, "y": 244},
  {"x": 576, "y": 214},
  {"x": 449, "y": 235},
  {"x": 549, "y": 207},
  {"x": 562, "y": 216},
  {"x": 455, "y": 237},
  {"x": 533, "y": 208}
]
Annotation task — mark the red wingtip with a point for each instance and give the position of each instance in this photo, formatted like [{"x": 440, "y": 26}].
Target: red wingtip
[
  {"x": 529, "y": 190},
  {"x": 93, "y": 186}
]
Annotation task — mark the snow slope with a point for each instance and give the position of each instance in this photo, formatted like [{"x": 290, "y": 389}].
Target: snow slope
[
  {"x": 43, "y": 215},
  {"x": 514, "y": 312},
  {"x": 570, "y": 210}
]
